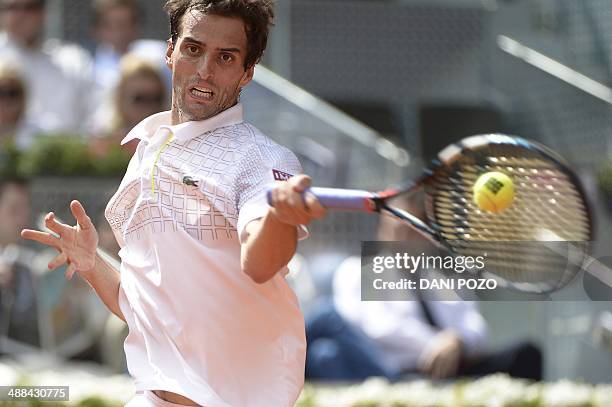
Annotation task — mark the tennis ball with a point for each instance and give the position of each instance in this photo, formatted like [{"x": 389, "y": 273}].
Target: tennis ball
[{"x": 493, "y": 192}]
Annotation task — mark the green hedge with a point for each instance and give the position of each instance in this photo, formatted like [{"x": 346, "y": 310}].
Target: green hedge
[{"x": 64, "y": 155}]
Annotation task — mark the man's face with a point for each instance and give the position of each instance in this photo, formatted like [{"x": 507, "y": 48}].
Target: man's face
[
  {"x": 207, "y": 64},
  {"x": 118, "y": 27},
  {"x": 14, "y": 212},
  {"x": 22, "y": 19},
  {"x": 12, "y": 102},
  {"x": 142, "y": 96}
]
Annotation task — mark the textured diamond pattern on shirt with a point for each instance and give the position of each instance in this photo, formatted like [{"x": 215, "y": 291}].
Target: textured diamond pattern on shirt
[
  {"x": 230, "y": 165},
  {"x": 255, "y": 168},
  {"x": 120, "y": 207}
]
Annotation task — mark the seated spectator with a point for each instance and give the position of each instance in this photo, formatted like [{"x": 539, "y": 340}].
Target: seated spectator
[
  {"x": 139, "y": 94},
  {"x": 18, "y": 318},
  {"x": 116, "y": 31},
  {"x": 351, "y": 339},
  {"x": 116, "y": 26},
  {"x": 14, "y": 127},
  {"x": 58, "y": 76}
]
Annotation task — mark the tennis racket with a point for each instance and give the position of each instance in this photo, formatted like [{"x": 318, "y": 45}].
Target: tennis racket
[{"x": 549, "y": 206}]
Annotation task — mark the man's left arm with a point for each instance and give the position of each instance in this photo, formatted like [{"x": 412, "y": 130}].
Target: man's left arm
[{"x": 270, "y": 242}]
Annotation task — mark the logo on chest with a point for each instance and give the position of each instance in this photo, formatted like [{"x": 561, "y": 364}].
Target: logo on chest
[{"x": 191, "y": 181}]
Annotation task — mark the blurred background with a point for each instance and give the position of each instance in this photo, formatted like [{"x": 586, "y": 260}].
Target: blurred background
[{"x": 364, "y": 91}]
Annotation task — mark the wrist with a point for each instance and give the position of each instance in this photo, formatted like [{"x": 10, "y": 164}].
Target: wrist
[
  {"x": 88, "y": 272},
  {"x": 274, "y": 218}
]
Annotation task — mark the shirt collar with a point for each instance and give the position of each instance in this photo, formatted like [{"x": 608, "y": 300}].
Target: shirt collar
[{"x": 184, "y": 131}]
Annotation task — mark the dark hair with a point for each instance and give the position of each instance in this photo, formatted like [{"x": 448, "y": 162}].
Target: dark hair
[
  {"x": 257, "y": 15},
  {"x": 99, "y": 7}
]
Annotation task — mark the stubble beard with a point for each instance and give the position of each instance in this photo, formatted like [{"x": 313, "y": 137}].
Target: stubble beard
[{"x": 184, "y": 113}]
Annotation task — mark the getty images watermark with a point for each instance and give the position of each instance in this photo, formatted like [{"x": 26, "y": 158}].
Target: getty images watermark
[
  {"x": 412, "y": 264},
  {"x": 540, "y": 271}
]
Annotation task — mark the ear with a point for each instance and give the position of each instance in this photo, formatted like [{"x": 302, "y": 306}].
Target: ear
[
  {"x": 169, "y": 50},
  {"x": 248, "y": 76}
]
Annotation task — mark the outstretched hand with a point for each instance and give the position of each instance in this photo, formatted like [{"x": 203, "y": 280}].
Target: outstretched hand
[{"x": 76, "y": 244}]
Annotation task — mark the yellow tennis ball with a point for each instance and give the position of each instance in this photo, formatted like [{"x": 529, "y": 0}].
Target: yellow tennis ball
[{"x": 493, "y": 192}]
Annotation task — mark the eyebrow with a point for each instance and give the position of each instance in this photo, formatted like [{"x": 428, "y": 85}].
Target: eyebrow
[{"x": 200, "y": 43}]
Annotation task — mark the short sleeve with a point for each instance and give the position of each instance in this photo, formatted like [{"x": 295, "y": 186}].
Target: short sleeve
[{"x": 258, "y": 169}]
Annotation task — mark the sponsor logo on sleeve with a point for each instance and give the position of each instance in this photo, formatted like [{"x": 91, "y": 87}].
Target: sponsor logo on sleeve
[{"x": 280, "y": 175}]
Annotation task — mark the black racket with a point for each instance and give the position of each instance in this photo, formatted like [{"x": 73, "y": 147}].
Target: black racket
[{"x": 549, "y": 206}]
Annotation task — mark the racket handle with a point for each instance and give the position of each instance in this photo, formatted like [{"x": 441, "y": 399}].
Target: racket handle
[{"x": 339, "y": 199}]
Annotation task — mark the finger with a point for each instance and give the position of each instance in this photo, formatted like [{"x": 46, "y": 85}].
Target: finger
[
  {"x": 80, "y": 215},
  {"x": 57, "y": 261},
  {"x": 437, "y": 369},
  {"x": 300, "y": 183},
  {"x": 290, "y": 206},
  {"x": 443, "y": 368},
  {"x": 289, "y": 214},
  {"x": 315, "y": 209},
  {"x": 41, "y": 237},
  {"x": 284, "y": 203},
  {"x": 300, "y": 204},
  {"x": 446, "y": 365},
  {"x": 277, "y": 193},
  {"x": 70, "y": 271},
  {"x": 425, "y": 363},
  {"x": 296, "y": 201},
  {"x": 453, "y": 366},
  {"x": 297, "y": 208},
  {"x": 53, "y": 225}
]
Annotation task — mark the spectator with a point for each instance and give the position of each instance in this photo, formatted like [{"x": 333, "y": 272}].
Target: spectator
[
  {"x": 18, "y": 318},
  {"x": 140, "y": 93},
  {"x": 58, "y": 76},
  {"x": 14, "y": 128},
  {"x": 117, "y": 27},
  {"x": 351, "y": 339}
]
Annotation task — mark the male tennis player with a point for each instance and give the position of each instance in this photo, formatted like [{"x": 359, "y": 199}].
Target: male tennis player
[{"x": 211, "y": 319}]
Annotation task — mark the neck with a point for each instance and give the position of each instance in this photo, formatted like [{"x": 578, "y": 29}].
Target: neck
[{"x": 178, "y": 117}]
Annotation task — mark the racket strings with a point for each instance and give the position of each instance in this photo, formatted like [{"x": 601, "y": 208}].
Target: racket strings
[
  {"x": 540, "y": 203},
  {"x": 571, "y": 226},
  {"x": 547, "y": 206}
]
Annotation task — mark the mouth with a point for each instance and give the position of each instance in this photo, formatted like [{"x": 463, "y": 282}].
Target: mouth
[{"x": 201, "y": 93}]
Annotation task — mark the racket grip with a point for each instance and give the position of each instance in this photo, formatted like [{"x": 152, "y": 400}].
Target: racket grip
[{"x": 339, "y": 199}]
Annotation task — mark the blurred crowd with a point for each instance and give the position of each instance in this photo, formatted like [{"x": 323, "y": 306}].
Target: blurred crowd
[{"x": 50, "y": 88}]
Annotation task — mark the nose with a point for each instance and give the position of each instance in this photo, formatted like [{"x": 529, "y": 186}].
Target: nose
[{"x": 206, "y": 67}]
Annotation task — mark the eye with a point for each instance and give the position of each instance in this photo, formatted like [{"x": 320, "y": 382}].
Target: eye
[
  {"x": 227, "y": 58},
  {"x": 192, "y": 49}
]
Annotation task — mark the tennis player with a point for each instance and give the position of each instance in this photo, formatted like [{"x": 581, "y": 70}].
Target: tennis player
[{"x": 211, "y": 319}]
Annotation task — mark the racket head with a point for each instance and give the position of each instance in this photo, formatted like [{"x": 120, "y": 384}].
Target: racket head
[{"x": 519, "y": 243}]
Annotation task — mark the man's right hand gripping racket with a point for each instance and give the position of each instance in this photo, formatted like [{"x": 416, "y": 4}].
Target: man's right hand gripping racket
[{"x": 549, "y": 205}]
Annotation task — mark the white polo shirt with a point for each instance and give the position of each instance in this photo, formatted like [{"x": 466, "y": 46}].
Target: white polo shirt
[{"x": 198, "y": 326}]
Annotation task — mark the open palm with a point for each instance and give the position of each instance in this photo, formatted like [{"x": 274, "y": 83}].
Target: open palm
[{"x": 76, "y": 244}]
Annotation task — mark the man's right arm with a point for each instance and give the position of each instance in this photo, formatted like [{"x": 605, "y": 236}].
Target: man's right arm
[{"x": 105, "y": 279}]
